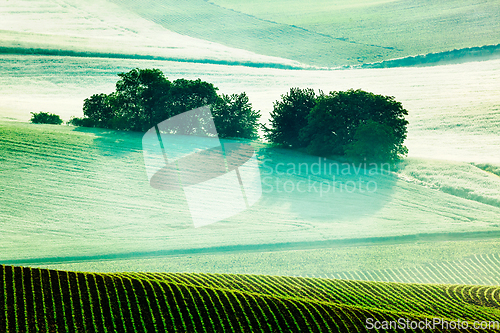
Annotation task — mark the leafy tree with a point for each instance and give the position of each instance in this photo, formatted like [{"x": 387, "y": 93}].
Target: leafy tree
[
  {"x": 45, "y": 118},
  {"x": 145, "y": 97},
  {"x": 289, "y": 116},
  {"x": 375, "y": 142},
  {"x": 234, "y": 116},
  {"x": 333, "y": 124},
  {"x": 187, "y": 95},
  {"x": 99, "y": 109},
  {"x": 140, "y": 99}
]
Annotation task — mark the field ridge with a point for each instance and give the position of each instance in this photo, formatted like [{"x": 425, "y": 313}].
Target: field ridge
[
  {"x": 90, "y": 54},
  {"x": 467, "y": 54},
  {"x": 293, "y": 26},
  {"x": 410, "y": 238}
]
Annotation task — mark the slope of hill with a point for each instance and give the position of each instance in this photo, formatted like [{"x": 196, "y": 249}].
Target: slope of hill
[
  {"x": 331, "y": 33},
  {"x": 89, "y": 186},
  {"x": 384, "y": 29},
  {"x": 100, "y": 28},
  {"x": 61, "y": 301},
  {"x": 289, "y": 33},
  {"x": 204, "y": 20}
]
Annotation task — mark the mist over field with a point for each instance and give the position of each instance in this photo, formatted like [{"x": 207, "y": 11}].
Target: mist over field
[{"x": 80, "y": 199}]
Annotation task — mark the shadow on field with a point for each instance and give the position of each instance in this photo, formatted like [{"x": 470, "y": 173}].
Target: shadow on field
[
  {"x": 114, "y": 143},
  {"x": 314, "y": 188}
]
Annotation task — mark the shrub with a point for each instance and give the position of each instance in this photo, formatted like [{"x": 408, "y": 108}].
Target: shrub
[
  {"x": 83, "y": 122},
  {"x": 45, "y": 118}
]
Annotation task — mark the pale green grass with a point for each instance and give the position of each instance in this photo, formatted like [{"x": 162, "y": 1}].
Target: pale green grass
[
  {"x": 459, "y": 179},
  {"x": 410, "y": 27},
  {"x": 320, "y": 33},
  {"x": 459, "y": 262},
  {"x": 203, "y": 20},
  {"x": 104, "y": 27},
  {"x": 66, "y": 193}
]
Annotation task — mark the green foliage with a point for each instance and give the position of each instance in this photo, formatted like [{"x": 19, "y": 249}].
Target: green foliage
[
  {"x": 355, "y": 123},
  {"x": 139, "y": 101},
  {"x": 98, "y": 110},
  {"x": 375, "y": 142},
  {"x": 145, "y": 97},
  {"x": 186, "y": 95},
  {"x": 45, "y": 118},
  {"x": 337, "y": 117},
  {"x": 83, "y": 122},
  {"x": 234, "y": 116},
  {"x": 289, "y": 116}
]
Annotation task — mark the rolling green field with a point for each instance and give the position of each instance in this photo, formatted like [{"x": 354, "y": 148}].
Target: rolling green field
[
  {"x": 101, "y": 27},
  {"x": 472, "y": 262},
  {"x": 454, "y": 110},
  {"x": 292, "y": 33},
  {"x": 424, "y": 244},
  {"x": 89, "y": 186},
  {"x": 60, "y": 301},
  {"x": 340, "y": 33}
]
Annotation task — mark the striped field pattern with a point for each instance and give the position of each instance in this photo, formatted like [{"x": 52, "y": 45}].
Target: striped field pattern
[
  {"x": 42, "y": 300},
  {"x": 479, "y": 269}
]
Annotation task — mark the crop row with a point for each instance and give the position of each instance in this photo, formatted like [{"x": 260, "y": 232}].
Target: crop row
[
  {"x": 424, "y": 299},
  {"x": 41, "y": 300}
]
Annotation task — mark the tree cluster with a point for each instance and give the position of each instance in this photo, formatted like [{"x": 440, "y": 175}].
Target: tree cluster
[
  {"x": 353, "y": 123},
  {"x": 145, "y": 97}
]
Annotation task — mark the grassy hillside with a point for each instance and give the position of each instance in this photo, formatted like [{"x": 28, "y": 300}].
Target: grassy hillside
[
  {"x": 101, "y": 28},
  {"x": 204, "y": 20},
  {"x": 60, "y": 301},
  {"x": 454, "y": 110},
  {"x": 280, "y": 33},
  {"x": 86, "y": 187},
  {"x": 384, "y": 29},
  {"x": 472, "y": 262},
  {"x": 330, "y": 33}
]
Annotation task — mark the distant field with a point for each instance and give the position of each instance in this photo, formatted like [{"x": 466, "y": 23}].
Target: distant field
[
  {"x": 320, "y": 33},
  {"x": 48, "y": 300},
  {"x": 330, "y": 33},
  {"x": 99, "y": 26},
  {"x": 204, "y": 20},
  {"x": 384, "y": 29}
]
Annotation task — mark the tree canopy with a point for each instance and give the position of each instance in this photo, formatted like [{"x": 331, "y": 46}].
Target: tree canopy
[
  {"x": 352, "y": 123},
  {"x": 145, "y": 97},
  {"x": 289, "y": 116},
  {"x": 234, "y": 116}
]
